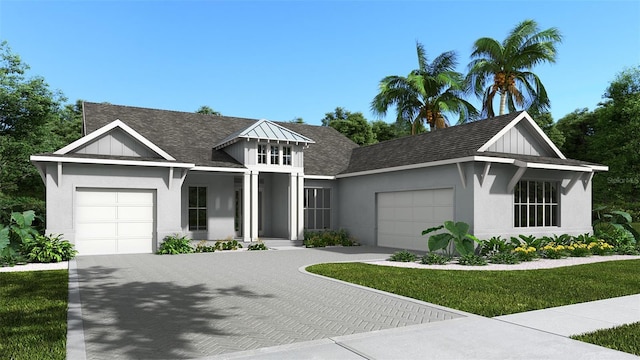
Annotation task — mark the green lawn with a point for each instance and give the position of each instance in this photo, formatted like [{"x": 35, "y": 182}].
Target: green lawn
[
  {"x": 623, "y": 338},
  {"x": 33, "y": 314},
  {"x": 493, "y": 293}
]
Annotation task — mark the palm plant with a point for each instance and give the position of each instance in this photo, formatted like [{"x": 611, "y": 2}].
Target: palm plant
[
  {"x": 505, "y": 68},
  {"x": 427, "y": 94}
]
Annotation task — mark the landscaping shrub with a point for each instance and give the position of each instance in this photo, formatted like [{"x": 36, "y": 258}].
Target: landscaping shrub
[
  {"x": 472, "y": 260},
  {"x": 324, "y": 238},
  {"x": 227, "y": 245},
  {"x": 503, "y": 258},
  {"x": 202, "y": 247},
  {"x": 48, "y": 249},
  {"x": 495, "y": 245},
  {"x": 257, "y": 246},
  {"x": 600, "y": 247},
  {"x": 433, "y": 258},
  {"x": 553, "y": 251},
  {"x": 13, "y": 236},
  {"x": 525, "y": 253},
  {"x": 458, "y": 234},
  {"x": 577, "y": 249},
  {"x": 175, "y": 244},
  {"x": 403, "y": 256}
]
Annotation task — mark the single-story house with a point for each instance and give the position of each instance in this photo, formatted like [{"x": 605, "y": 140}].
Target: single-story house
[{"x": 138, "y": 175}]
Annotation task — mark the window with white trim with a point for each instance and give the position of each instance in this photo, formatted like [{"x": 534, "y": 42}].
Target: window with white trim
[
  {"x": 286, "y": 155},
  {"x": 275, "y": 155},
  {"x": 317, "y": 208},
  {"x": 262, "y": 154},
  {"x": 536, "y": 204},
  {"x": 197, "y": 208}
]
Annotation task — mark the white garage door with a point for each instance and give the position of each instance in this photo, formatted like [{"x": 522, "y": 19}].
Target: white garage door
[
  {"x": 402, "y": 215},
  {"x": 114, "y": 221}
]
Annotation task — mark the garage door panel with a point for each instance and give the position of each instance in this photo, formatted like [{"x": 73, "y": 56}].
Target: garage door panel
[
  {"x": 403, "y": 215},
  {"x": 114, "y": 221}
]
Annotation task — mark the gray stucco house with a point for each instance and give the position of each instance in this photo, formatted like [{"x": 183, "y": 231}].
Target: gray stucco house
[{"x": 140, "y": 174}]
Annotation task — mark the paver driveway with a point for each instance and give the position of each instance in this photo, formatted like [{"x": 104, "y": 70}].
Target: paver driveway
[{"x": 189, "y": 306}]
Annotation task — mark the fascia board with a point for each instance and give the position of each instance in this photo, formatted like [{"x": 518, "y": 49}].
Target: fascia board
[
  {"x": 319, "y": 177},
  {"x": 62, "y": 159},
  {"x": 103, "y": 130},
  {"x": 220, "y": 169}
]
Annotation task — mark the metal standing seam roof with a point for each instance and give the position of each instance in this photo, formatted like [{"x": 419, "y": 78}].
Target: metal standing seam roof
[{"x": 265, "y": 130}]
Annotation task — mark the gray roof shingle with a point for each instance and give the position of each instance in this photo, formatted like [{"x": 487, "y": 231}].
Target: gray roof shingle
[{"x": 190, "y": 137}]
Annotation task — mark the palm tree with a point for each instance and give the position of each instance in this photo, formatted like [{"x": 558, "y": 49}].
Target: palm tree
[
  {"x": 427, "y": 94},
  {"x": 505, "y": 69}
]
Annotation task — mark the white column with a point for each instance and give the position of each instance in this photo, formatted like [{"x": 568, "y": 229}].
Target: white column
[
  {"x": 293, "y": 207},
  {"x": 300, "y": 206},
  {"x": 254, "y": 205},
  {"x": 246, "y": 207}
]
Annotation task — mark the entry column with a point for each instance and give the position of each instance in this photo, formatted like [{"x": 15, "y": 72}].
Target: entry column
[
  {"x": 254, "y": 205},
  {"x": 293, "y": 207},
  {"x": 246, "y": 207},
  {"x": 300, "y": 206}
]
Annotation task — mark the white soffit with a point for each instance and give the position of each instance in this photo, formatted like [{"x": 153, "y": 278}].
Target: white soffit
[
  {"x": 526, "y": 117},
  {"x": 104, "y": 130}
]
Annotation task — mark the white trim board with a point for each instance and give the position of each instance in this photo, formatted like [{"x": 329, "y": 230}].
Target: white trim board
[{"x": 62, "y": 159}]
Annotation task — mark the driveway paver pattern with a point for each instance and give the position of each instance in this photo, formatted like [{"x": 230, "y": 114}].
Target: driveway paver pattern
[{"x": 189, "y": 306}]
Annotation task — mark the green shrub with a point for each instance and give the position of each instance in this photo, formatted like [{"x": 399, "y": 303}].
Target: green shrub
[
  {"x": 528, "y": 240},
  {"x": 472, "y": 260},
  {"x": 227, "y": 245},
  {"x": 503, "y": 258},
  {"x": 175, "y": 244},
  {"x": 403, "y": 256},
  {"x": 324, "y": 238},
  {"x": 433, "y": 258},
  {"x": 600, "y": 247},
  {"x": 458, "y": 234},
  {"x": 525, "y": 253},
  {"x": 626, "y": 249},
  {"x": 202, "y": 247},
  {"x": 554, "y": 251},
  {"x": 257, "y": 246},
  {"x": 48, "y": 249},
  {"x": 495, "y": 245},
  {"x": 578, "y": 249}
]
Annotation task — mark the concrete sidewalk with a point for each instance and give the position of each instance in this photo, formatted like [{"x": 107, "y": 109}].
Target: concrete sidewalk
[{"x": 541, "y": 334}]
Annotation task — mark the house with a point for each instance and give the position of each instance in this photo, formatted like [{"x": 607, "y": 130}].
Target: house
[{"x": 138, "y": 175}]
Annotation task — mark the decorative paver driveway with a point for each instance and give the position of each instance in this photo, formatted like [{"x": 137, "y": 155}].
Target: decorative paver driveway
[{"x": 189, "y": 306}]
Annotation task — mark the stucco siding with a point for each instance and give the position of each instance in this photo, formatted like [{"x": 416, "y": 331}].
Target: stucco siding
[
  {"x": 519, "y": 140},
  {"x": 357, "y": 200},
  {"x": 494, "y": 206},
  {"x": 116, "y": 143},
  {"x": 61, "y": 194},
  {"x": 220, "y": 205}
]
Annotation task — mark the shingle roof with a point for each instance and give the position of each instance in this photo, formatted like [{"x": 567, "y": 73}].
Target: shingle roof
[
  {"x": 190, "y": 137},
  {"x": 449, "y": 143}
]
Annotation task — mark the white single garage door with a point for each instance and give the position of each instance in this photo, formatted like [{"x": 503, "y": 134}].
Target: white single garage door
[
  {"x": 114, "y": 221},
  {"x": 402, "y": 215}
]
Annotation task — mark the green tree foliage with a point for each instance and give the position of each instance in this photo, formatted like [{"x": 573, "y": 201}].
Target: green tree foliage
[
  {"x": 427, "y": 94},
  {"x": 32, "y": 121},
  {"x": 352, "y": 125},
  {"x": 545, "y": 121},
  {"x": 204, "y": 109},
  {"x": 610, "y": 135},
  {"x": 505, "y": 68},
  {"x": 384, "y": 131}
]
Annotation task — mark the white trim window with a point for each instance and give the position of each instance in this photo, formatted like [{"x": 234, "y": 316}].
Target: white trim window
[
  {"x": 286, "y": 155},
  {"x": 262, "y": 154},
  {"x": 275, "y": 155},
  {"x": 536, "y": 204},
  {"x": 197, "y": 208},
  {"x": 317, "y": 208}
]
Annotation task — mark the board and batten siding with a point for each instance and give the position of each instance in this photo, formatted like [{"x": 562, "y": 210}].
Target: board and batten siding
[
  {"x": 520, "y": 141},
  {"x": 117, "y": 143}
]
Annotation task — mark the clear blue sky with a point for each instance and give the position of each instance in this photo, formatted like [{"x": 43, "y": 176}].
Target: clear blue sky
[{"x": 283, "y": 59}]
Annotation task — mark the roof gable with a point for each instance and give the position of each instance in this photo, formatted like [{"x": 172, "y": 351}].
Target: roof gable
[
  {"x": 116, "y": 132},
  {"x": 524, "y": 137},
  {"x": 265, "y": 130}
]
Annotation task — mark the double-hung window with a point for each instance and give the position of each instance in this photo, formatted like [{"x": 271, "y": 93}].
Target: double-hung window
[
  {"x": 286, "y": 155},
  {"x": 317, "y": 208},
  {"x": 262, "y": 154},
  {"x": 275, "y": 155},
  {"x": 197, "y": 208},
  {"x": 536, "y": 204}
]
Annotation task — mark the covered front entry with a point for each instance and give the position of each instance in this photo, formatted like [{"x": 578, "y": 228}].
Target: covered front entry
[
  {"x": 402, "y": 215},
  {"x": 274, "y": 201},
  {"x": 114, "y": 221}
]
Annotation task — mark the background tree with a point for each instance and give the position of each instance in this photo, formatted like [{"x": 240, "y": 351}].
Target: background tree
[
  {"x": 427, "y": 95},
  {"x": 32, "y": 121},
  {"x": 384, "y": 131},
  {"x": 545, "y": 121},
  {"x": 204, "y": 109},
  {"x": 297, "y": 120},
  {"x": 505, "y": 68},
  {"x": 352, "y": 125}
]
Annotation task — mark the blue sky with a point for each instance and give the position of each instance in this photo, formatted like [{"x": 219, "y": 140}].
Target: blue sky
[{"x": 283, "y": 59}]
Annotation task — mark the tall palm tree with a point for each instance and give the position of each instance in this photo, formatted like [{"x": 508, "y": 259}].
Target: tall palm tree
[
  {"x": 427, "y": 94},
  {"x": 505, "y": 68}
]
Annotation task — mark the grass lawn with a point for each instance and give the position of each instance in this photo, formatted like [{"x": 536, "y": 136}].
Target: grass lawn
[
  {"x": 494, "y": 293},
  {"x": 623, "y": 338},
  {"x": 33, "y": 314}
]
